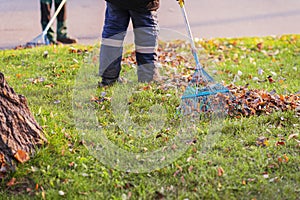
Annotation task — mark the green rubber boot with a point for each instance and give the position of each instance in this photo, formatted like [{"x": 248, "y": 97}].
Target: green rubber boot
[{"x": 61, "y": 31}]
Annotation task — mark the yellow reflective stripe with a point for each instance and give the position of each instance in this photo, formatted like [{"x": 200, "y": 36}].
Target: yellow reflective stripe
[{"x": 112, "y": 42}]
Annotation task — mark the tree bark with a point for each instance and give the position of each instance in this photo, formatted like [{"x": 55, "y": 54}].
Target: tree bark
[{"x": 20, "y": 134}]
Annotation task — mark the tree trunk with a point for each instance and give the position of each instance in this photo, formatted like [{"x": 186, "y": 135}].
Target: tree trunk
[{"x": 20, "y": 134}]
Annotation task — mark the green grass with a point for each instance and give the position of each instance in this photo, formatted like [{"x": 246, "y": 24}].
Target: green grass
[{"x": 250, "y": 171}]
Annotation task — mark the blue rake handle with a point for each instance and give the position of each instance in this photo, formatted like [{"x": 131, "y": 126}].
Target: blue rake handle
[{"x": 193, "y": 47}]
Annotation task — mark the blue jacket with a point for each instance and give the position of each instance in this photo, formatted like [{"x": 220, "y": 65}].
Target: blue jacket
[{"x": 138, "y": 5}]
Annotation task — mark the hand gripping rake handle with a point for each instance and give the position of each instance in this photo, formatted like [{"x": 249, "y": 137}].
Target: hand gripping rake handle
[
  {"x": 193, "y": 47},
  {"x": 53, "y": 17}
]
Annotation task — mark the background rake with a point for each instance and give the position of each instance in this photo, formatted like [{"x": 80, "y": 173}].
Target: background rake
[{"x": 42, "y": 39}]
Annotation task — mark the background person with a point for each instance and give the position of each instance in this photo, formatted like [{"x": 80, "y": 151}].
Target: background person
[{"x": 61, "y": 30}]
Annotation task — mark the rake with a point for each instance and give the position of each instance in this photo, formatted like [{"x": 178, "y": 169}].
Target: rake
[
  {"x": 202, "y": 95},
  {"x": 42, "y": 39}
]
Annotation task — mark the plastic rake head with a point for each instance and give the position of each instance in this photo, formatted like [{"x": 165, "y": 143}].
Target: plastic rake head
[
  {"x": 204, "y": 96},
  {"x": 39, "y": 40}
]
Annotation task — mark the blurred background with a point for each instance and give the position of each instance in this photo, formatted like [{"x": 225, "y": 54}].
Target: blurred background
[{"x": 20, "y": 20}]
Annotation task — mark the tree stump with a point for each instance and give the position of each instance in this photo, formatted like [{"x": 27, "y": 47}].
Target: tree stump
[{"x": 20, "y": 134}]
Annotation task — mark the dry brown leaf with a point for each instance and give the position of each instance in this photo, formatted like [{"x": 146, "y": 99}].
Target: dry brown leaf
[
  {"x": 36, "y": 186},
  {"x": 220, "y": 171},
  {"x": 21, "y": 156},
  {"x": 2, "y": 159},
  {"x": 182, "y": 179},
  {"x": 191, "y": 168},
  {"x": 147, "y": 87},
  {"x": 280, "y": 143},
  {"x": 11, "y": 182},
  {"x": 176, "y": 173},
  {"x": 94, "y": 98},
  {"x": 51, "y": 85},
  {"x": 295, "y": 135},
  {"x": 259, "y": 46}
]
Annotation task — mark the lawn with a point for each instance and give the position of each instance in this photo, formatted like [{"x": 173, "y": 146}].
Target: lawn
[{"x": 250, "y": 157}]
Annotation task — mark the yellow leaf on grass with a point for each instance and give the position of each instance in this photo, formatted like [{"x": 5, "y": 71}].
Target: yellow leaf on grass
[{"x": 21, "y": 156}]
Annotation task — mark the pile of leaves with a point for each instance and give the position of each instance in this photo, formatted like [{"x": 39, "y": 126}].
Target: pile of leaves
[
  {"x": 176, "y": 71},
  {"x": 247, "y": 102}
]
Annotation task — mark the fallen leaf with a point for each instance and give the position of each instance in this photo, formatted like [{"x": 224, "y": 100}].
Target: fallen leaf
[
  {"x": 251, "y": 179},
  {"x": 262, "y": 141},
  {"x": 71, "y": 164},
  {"x": 273, "y": 73},
  {"x": 220, "y": 171},
  {"x": 11, "y": 182},
  {"x": 295, "y": 135},
  {"x": 265, "y": 175},
  {"x": 2, "y": 159},
  {"x": 21, "y": 156},
  {"x": 75, "y": 60},
  {"x": 94, "y": 98},
  {"x": 63, "y": 151},
  {"x": 275, "y": 179},
  {"x": 56, "y": 102},
  {"x": 43, "y": 194},
  {"x": 158, "y": 195},
  {"x": 51, "y": 85},
  {"x": 191, "y": 168},
  {"x": 281, "y": 81},
  {"x": 84, "y": 174},
  {"x": 176, "y": 173},
  {"x": 270, "y": 79},
  {"x": 280, "y": 143},
  {"x": 189, "y": 159},
  {"x": 259, "y": 46},
  {"x": 147, "y": 87},
  {"x": 72, "y": 50},
  {"x": 45, "y": 54},
  {"x": 182, "y": 179},
  {"x": 83, "y": 193},
  {"x": 260, "y": 71}
]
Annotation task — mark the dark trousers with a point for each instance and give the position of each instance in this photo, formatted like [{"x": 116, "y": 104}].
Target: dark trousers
[
  {"x": 61, "y": 30},
  {"x": 145, "y": 27}
]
